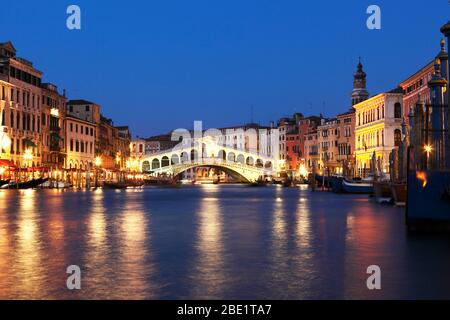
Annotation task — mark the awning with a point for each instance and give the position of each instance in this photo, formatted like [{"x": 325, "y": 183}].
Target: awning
[{"x": 6, "y": 163}]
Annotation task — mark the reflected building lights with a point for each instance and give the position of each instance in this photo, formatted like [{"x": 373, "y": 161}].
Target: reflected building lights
[
  {"x": 279, "y": 223},
  {"x": 134, "y": 251},
  {"x": 209, "y": 275},
  {"x": 28, "y": 253}
]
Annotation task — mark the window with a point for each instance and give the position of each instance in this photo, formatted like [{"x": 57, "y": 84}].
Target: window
[
  {"x": 398, "y": 110},
  {"x": 87, "y": 108},
  {"x": 397, "y": 137}
]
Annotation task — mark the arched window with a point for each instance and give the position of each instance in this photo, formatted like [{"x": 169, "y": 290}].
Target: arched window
[{"x": 398, "y": 110}]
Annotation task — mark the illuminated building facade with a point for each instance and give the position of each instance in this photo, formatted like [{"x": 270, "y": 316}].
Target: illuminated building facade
[
  {"x": 327, "y": 139},
  {"x": 21, "y": 109},
  {"x": 311, "y": 150},
  {"x": 53, "y": 127},
  {"x": 416, "y": 89},
  {"x": 378, "y": 129},
  {"x": 80, "y": 143},
  {"x": 346, "y": 141}
]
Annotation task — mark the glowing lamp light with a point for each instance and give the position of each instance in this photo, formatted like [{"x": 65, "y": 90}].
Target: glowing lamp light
[
  {"x": 428, "y": 149},
  {"x": 54, "y": 112},
  {"x": 303, "y": 171},
  {"x": 98, "y": 161},
  {"x": 28, "y": 154},
  {"x": 6, "y": 142},
  {"x": 2, "y": 171}
]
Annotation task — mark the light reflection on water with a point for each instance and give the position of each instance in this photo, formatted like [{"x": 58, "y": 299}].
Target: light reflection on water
[
  {"x": 212, "y": 241},
  {"x": 208, "y": 276}
]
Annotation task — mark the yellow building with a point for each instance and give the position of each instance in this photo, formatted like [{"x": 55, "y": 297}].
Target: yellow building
[{"x": 378, "y": 129}]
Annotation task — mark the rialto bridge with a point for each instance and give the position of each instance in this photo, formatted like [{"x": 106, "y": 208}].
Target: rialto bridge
[{"x": 244, "y": 166}]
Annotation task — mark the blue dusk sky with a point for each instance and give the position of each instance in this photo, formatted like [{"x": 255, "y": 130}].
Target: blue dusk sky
[{"x": 160, "y": 65}]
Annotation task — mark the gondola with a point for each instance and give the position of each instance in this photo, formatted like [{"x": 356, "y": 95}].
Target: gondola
[
  {"x": 34, "y": 183},
  {"x": 3, "y": 182}
]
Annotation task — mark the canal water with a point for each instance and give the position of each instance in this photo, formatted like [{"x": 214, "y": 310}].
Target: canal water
[{"x": 210, "y": 241}]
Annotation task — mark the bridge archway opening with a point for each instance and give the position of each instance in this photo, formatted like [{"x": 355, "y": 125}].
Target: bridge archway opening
[
  {"x": 184, "y": 157},
  {"x": 165, "y": 162},
  {"x": 222, "y": 155},
  {"x": 194, "y": 155},
  {"x": 240, "y": 159},
  {"x": 259, "y": 163},
  {"x": 155, "y": 164},
  {"x": 175, "y": 159},
  {"x": 231, "y": 157},
  {"x": 268, "y": 165},
  {"x": 237, "y": 175},
  {"x": 146, "y": 166},
  {"x": 249, "y": 161}
]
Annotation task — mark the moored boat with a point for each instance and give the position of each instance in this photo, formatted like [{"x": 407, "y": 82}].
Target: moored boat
[
  {"x": 115, "y": 185},
  {"x": 3, "y": 182},
  {"x": 324, "y": 181},
  {"x": 336, "y": 183},
  {"x": 34, "y": 183},
  {"x": 357, "y": 187}
]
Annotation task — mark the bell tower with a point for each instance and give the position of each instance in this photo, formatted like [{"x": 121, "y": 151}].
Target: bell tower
[{"x": 359, "y": 92}]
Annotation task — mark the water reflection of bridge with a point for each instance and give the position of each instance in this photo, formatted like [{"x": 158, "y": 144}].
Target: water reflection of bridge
[{"x": 242, "y": 165}]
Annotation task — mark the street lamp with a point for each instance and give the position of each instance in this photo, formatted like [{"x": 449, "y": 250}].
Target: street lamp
[{"x": 428, "y": 148}]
